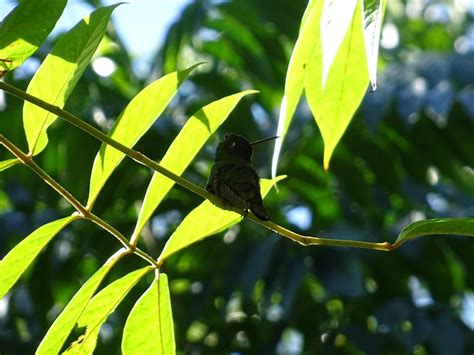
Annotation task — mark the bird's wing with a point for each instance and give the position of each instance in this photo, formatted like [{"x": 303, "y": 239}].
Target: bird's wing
[
  {"x": 210, "y": 182},
  {"x": 245, "y": 183},
  {"x": 243, "y": 180}
]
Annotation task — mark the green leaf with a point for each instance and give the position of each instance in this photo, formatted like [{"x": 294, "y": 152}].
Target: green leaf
[
  {"x": 307, "y": 12},
  {"x": 335, "y": 88},
  {"x": 22, "y": 255},
  {"x": 149, "y": 326},
  {"x": 25, "y": 28},
  {"x": 59, "y": 73},
  {"x": 184, "y": 148},
  {"x": 346, "y": 85},
  {"x": 372, "y": 12},
  {"x": 437, "y": 226},
  {"x": 4, "y": 165},
  {"x": 335, "y": 20},
  {"x": 100, "y": 307},
  {"x": 132, "y": 123},
  {"x": 64, "y": 323},
  {"x": 302, "y": 53},
  {"x": 206, "y": 220}
]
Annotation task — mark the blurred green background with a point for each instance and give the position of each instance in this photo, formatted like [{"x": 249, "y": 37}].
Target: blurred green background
[{"x": 408, "y": 154}]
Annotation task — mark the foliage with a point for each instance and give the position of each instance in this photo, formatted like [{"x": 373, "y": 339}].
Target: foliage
[{"x": 257, "y": 294}]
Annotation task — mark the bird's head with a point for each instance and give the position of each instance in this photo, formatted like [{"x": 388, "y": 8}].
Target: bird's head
[{"x": 235, "y": 146}]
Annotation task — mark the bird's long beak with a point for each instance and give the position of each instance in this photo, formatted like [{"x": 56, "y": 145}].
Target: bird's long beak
[{"x": 264, "y": 140}]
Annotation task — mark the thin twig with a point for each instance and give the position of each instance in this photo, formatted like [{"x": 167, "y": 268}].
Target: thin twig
[
  {"x": 309, "y": 240},
  {"x": 84, "y": 213}
]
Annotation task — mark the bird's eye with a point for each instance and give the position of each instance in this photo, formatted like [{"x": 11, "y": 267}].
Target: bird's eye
[{"x": 233, "y": 144}]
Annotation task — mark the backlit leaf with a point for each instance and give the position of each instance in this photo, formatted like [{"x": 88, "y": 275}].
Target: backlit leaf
[
  {"x": 132, "y": 124},
  {"x": 100, "y": 307},
  {"x": 294, "y": 82},
  {"x": 346, "y": 85},
  {"x": 149, "y": 326},
  {"x": 59, "y": 73},
  {"x": 64, "y": 323},
  {"x": 22, "y": 255},
  {"x": 335, "y": 20}
]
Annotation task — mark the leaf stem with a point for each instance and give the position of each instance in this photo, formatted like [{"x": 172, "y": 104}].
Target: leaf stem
[
  {"x": 27, "y": 159},
  {"x": 309, "y": 240}
]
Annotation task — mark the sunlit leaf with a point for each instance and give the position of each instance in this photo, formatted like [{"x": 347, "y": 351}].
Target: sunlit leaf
[
  {"x": 8, "y": 163},
  {"x": 294, "y": 82},
  {"x": 25, "y": 28},
  {"x": 372, "y": 12},
  {"x": 22, "y": 255},
  {"x": 307, "y": 12},
  {"x": 206, "y": 220},
  {"x": 437, "y": 226},
  {"x": 149, "y": 326},
  {"x": 184, "y": 148},
  {"x": 335, "y": 85},
  {"x": 64, "y": 323},
  {"x": 59, "y": 73},
  {"x": 100, "y": 307},
  {"x": 132, "y": 123},
  {"x": 335, "y": 20},
  {"x": 346, "y": 85}
]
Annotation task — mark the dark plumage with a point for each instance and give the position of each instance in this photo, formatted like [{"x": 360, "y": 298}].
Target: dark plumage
[{"x": 233, "y": 177}]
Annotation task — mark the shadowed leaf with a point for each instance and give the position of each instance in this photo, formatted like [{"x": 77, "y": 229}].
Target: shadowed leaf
[
  {"x": 437, "y": 226},
  {"x": 372, "y": 11},
  {"x": 25, "y": 28}
]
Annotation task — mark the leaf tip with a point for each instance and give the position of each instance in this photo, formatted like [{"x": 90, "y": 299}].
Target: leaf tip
[
  {"x": 113, "y": 6},
  {"x": 197, "y": 65},
  {"x": 326, "y": 163},
  {"x": 189, "y": 69},
  {"x": 280, "y": 178},
  {"x": 248, "y": 92}
]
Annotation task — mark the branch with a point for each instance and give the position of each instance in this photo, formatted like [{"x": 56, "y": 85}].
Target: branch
[
  {"x": 144, "y": 160},
  {"x": 133, "y": 154}
]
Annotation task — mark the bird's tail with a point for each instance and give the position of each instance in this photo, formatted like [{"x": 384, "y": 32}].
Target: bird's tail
[{"x": 259, "y": 211}]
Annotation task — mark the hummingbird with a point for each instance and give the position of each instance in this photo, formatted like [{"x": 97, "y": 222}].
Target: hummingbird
[{"x": 233, "y": 177}]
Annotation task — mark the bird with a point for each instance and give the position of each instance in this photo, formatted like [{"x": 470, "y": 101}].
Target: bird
[{"x": 233, "y": 177}]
